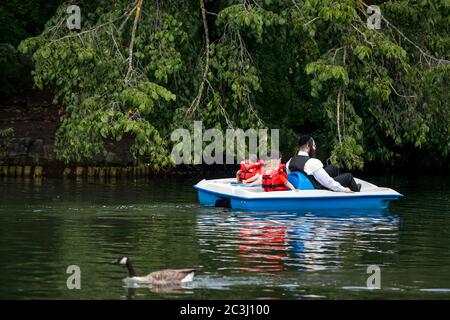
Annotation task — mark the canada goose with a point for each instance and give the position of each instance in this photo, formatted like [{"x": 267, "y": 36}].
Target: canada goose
[{"x": 166, "y": 276}]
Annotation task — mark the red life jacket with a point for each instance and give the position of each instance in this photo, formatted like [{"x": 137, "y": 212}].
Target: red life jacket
[
  {"x": 271, "y": 179},
  {"x": 249, "y": 170}
]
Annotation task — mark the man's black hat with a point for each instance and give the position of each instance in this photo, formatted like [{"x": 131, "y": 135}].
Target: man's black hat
[{"x": 304, "y": 140}]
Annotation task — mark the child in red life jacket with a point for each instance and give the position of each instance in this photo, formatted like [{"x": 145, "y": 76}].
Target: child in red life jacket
[
  {"x": 249, "y": 171},
  {"x": 274, "y": 177}
]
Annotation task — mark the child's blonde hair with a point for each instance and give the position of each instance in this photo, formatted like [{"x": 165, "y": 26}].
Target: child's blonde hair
[
  {"x": 253, "y": 158},
  {"x": 272, "y": 163}
]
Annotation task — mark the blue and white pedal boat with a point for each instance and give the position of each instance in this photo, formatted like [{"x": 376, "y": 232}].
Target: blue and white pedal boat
[{"x": 226, "y": 193}]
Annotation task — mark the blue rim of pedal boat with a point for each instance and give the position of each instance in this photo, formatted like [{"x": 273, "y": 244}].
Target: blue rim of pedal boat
[{"x": 221, "y": 192}]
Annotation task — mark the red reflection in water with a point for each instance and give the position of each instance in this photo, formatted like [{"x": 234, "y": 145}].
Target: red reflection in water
[{"x": 261, "y": 245}]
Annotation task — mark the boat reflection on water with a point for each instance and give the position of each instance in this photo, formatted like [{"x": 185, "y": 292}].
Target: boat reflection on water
[
  {"x": 307, "y": 241},
  {"x": 263, "y": 244}
]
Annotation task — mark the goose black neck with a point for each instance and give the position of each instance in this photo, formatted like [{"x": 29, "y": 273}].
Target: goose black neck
[{"x": 130, "y": 268}]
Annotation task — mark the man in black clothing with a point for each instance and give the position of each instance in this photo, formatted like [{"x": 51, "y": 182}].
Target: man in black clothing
[{"x": 321, "y": 178}]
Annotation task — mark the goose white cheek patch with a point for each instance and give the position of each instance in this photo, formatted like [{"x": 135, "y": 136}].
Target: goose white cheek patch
[
  {"x": 188, "y": 278},
  {"x": 123, "y": 261}
]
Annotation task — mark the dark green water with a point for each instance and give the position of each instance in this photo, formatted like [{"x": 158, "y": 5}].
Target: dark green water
[{"x": 47, "y": 225}]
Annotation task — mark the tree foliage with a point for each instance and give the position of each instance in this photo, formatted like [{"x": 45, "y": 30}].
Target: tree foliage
[{"x": 302, "y": 66}]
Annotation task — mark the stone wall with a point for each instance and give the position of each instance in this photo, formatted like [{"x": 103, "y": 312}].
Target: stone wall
[{"x": 31, "y": 142}]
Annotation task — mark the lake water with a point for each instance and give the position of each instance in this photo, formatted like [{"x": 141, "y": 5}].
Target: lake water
[{"x": 47, "y": 225}]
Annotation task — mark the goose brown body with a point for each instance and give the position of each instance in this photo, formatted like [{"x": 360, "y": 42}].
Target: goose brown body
[
  {"x": 169, "y": 275},
  {"x": 166, "y": 276}
]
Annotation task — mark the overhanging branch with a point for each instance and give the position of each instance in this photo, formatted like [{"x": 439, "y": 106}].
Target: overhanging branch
[
  {"x": 133, "y": 38},
  {"x": 195, "y": 103}
]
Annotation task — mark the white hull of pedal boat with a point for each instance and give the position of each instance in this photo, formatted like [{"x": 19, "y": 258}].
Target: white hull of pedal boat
[{"x": 224, "y": 192}]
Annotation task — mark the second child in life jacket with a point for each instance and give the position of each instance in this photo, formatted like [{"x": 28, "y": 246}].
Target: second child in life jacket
[{"x": 274, "y": 178}]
